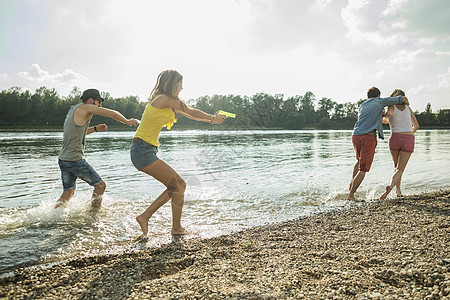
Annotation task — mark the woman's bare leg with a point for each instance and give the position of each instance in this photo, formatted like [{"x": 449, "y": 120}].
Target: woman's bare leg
[
  {"x": 176, "y": 186},
  {"x": 394, "y": 155},
  {"x": 400, "y": 160}
]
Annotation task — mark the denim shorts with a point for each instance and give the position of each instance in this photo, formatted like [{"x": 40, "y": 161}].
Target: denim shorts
[
  {"x": 71, "y": 170},
  {"x": 142, "y": 154}
]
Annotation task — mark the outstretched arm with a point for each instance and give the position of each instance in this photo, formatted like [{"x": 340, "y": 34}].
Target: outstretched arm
[
  {"x": 195, "y": 114},
  {"x": 113, "y": 114}
]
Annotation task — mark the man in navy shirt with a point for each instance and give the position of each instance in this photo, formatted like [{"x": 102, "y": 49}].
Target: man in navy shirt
[{"x": 364, "y": 137}]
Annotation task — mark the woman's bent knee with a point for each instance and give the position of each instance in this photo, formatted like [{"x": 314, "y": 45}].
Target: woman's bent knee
[{"x": 177, "y": 185}]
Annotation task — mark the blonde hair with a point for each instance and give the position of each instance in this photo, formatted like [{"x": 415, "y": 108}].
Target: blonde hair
[
  {"x": 167, "y": 84},
  {"x": 397, "y": 92}
]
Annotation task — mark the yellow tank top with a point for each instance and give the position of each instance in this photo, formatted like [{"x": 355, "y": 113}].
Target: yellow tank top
[{"x": 152, "y": 121}]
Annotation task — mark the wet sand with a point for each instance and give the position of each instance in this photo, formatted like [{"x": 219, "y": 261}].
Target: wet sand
[{"x": 392, "y": 249}]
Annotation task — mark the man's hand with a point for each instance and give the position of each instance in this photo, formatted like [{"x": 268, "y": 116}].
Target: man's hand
[
  {"x": 405, "y": 100},
  {"x": 101, "y": 127},
  {"x": 132, "y": 122}
]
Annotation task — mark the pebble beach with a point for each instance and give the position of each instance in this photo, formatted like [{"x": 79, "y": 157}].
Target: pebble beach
[{"x": 393, "y": 249}]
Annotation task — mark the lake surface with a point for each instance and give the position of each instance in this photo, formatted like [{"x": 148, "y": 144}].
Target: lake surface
[{"x": 236, "y": 179}]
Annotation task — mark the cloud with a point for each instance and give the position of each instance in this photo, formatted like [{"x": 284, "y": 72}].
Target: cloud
[
  {"x": 417, "y": 56},
  {"x": 35, "y": 73},
  {"x": 35, "y": 77},
  {"x": 426, "y": 19},
  {"x": 394, "y": 6},
  {"x": 373, "y": 22},
  {"x": 397, "y": 21}
]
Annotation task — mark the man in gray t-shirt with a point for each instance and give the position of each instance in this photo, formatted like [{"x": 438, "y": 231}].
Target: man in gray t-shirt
[{"x": 71, "y": 160}]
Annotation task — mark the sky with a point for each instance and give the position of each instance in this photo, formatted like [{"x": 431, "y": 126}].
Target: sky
[{"x": 336, "y": 49}]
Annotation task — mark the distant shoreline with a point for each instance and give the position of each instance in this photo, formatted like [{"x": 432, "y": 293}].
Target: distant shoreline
[{"x": 396, "y": 248}]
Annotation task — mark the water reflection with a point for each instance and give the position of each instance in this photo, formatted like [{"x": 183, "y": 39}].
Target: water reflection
[{"x": 427, "y": 141}]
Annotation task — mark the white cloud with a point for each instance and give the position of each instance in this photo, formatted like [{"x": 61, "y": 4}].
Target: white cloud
[
  {"x": 35, "y": 73},
  {"x": 370, "y": 22},
  {"x": 393, "y": 6},
  {"x": 421, "y": 55},
  {"x": 36, "y": 77}
]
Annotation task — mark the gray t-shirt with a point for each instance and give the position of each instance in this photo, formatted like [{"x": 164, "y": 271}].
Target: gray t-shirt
[{"x": 74, "y": 137}]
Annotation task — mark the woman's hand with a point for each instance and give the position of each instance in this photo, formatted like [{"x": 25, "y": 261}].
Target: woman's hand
[{"x": 217, "y": 119}]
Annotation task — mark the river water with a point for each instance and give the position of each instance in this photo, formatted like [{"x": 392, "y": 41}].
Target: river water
[{"x": 236, "y": 179}]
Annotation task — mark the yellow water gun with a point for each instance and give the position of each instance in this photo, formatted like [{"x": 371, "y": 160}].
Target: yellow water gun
[{"x": 226, "y": 114}]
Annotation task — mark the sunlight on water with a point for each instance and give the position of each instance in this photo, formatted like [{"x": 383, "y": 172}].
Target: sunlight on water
[{"x": 239, "y": 180}]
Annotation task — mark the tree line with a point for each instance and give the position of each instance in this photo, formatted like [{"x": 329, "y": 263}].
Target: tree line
[{"x": 45, "y": 107}]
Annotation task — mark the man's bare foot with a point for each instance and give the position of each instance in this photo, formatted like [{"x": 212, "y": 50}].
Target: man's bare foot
[
  {"x": 61, "y": 202},
  {"x": 351, "y": 198},
  {"x": 96, "y": 202},
  {"x": 143, "y": 223},
  {"x": 385, "y": 194},
  {"x": 179, "y": 231}
]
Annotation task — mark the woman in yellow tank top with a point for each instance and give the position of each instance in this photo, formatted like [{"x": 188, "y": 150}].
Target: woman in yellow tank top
[{"x": 160, "y": 112}]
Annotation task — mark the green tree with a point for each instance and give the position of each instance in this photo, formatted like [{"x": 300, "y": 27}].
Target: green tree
[
  {"x": 427, "y": 118},
  {"x": 295, "y": 120},
  {"x": 325, "y": 123},
  {"x": 338, "y": 113},
  {"x": 307, "y": 104},
  {"x": 266, "y": 109},
  {"x": 325, "y": 108},
  {"x": 443, "y": 117}
]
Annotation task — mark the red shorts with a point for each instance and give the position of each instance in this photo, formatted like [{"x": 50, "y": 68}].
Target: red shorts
[
  {"x": 364, "y": 146},
  {"x": 401, "y": 142}
]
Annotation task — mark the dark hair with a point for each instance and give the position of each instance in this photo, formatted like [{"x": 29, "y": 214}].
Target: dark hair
[
  {"x": 398, "y": 92},
  {"x": 373, "y": 92}
]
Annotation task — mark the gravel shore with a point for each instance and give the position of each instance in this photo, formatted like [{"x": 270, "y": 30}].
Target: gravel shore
[{"x": 395, "y": 249}]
